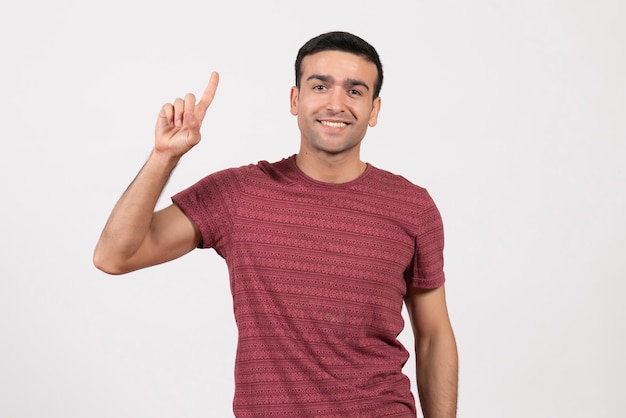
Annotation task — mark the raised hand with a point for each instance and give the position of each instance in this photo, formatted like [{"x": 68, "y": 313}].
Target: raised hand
[{"x": 178, "y": 126}]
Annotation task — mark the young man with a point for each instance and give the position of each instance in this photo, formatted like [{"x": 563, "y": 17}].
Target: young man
[{"x": 322, "y": 251}]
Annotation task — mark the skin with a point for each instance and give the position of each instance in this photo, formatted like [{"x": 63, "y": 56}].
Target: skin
[
  {"x": 334, "y": 107},
  {"x": 435, "y": 351},
  {"x": 135, "y": 236}
]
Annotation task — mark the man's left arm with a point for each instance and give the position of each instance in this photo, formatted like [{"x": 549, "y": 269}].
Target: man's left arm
[{"x": 435, "y": 350}]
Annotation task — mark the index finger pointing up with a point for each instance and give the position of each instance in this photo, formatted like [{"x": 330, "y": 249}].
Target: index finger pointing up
[{"x": 207, "y": 96}]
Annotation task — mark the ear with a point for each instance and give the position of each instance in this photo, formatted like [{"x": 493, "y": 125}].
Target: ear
[
  {"x": 293, "y": 100},
  {"x": 374, "y": 113}
]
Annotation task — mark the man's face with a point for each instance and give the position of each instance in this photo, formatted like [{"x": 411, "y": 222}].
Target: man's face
[{"x": 334, "y": 103}]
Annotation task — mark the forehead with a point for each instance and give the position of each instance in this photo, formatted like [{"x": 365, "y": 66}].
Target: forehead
[{"x": 340, "y": 65}]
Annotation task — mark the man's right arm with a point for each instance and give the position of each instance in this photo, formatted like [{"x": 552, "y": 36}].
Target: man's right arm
[{"x": 135, "y": 236}]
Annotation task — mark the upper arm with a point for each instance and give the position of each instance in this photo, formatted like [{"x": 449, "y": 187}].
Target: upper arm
[
  {"x": 428, "y": 311},
  {"x": 171, "y": 235}
]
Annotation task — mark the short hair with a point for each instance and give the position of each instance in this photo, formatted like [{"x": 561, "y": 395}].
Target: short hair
[{"x": 344, "y": 42}]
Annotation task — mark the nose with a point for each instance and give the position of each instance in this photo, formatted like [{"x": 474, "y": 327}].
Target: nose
[{"x": 336, "y": 101}]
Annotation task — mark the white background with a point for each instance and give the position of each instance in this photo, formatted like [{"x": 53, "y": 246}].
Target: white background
[{"x": 512, "y": 114}]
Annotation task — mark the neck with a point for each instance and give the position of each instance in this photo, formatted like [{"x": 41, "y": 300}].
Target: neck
[{"x": 330, "y": 168}]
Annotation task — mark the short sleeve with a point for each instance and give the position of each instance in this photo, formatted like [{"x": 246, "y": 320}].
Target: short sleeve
[
  {"x": 209, "y": 204},
  {"x": 426, "y": 270}
]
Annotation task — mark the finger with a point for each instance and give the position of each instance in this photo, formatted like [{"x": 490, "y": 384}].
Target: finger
[
  {"x": 166, "y": 116},
  {"x": 207, "y": 96},
  {"x": 189, "y": 104},
  {"x": 179, "y": 108}
]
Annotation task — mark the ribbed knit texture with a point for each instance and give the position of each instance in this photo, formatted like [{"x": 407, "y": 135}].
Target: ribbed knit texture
[{"x": 318, "y": 273}]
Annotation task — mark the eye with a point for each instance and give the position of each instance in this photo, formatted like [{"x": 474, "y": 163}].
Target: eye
[
  {"x": 319, "y": 87},
  {"x": 354, "y": 92}
]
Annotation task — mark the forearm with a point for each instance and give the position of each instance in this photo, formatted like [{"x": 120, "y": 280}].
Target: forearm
[
  {"x": 437, "y": 375},
  {"x": 130, "y": 220}
]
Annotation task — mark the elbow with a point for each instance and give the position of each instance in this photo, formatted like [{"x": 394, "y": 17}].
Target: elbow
[{"x": 107, "y": 265}]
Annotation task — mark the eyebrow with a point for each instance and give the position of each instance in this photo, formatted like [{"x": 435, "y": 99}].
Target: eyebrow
[{"x": 352, "y": 82}]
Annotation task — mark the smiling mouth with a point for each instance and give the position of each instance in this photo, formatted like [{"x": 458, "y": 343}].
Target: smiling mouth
[{"x": 333, "y": 124}]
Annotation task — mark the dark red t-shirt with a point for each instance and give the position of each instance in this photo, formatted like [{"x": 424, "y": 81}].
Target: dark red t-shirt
[{"x": 318, "y": 273}]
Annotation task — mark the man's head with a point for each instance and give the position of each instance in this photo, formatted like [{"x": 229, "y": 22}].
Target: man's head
[
  {"x": 336, "y": 95},
  {"x": 344, "y": 42}
]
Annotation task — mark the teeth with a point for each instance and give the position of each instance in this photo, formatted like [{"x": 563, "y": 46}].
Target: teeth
[{"x": 333, "y": 124}]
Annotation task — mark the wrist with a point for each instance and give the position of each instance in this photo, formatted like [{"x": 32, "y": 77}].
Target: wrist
[{"x": 163, "y": 159}]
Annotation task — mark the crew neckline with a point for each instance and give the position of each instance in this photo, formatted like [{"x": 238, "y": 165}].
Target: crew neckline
[{"x": 309, "y": 179}]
